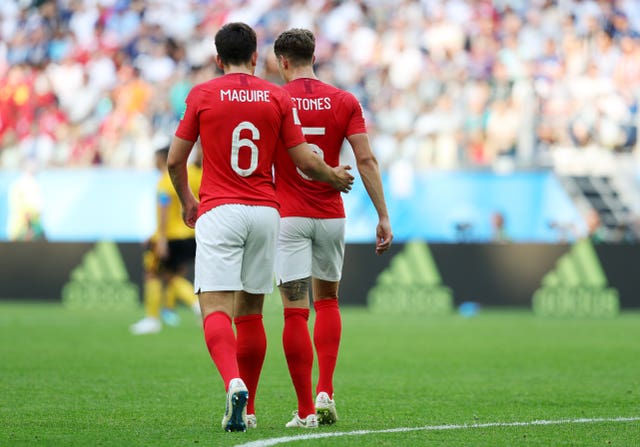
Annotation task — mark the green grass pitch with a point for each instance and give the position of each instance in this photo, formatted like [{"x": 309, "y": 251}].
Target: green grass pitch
[{"x": 78, "y": 378}]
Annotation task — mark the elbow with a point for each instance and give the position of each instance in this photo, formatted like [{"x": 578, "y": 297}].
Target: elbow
[
  {"x": 368, "y": 164},
  {"x": 310, "y": 163},
  {"x": 173, "y": 164},
  {"x": 310, "y": 166}
]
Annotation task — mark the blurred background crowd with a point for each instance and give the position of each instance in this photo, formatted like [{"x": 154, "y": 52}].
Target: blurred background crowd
[{"x": 444, "y": 84}]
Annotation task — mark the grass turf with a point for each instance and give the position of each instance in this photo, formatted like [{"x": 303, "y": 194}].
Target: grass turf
[{"x": 78, "y": 378}]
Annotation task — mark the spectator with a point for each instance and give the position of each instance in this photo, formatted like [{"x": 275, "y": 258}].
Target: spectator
[{"x": 548, "y": 48}]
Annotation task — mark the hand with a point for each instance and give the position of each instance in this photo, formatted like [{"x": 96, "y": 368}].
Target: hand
[
  {"x": 384, "y": 236},
  {"x": 344, "y": 180},
  {"x": 190, "y": 213}
]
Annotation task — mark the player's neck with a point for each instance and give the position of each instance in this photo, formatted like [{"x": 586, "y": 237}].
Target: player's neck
[
  {"x": 302, "y": 72},
  {"x": 244, "y": 69}
]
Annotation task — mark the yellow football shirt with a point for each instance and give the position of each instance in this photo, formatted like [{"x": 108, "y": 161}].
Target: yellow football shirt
[{"x": 168, "y": 198}]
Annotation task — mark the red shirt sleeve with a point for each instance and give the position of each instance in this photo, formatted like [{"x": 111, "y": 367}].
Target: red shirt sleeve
[
  {"x": 291, "y": 134},
  {"x": 189, "y": 125},
  {"x": 356, "y": 115}
]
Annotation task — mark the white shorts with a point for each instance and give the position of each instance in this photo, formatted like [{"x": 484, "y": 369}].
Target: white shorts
[
  {"x": 310, "y": 247},
  {"x": 235, "y": 249}
]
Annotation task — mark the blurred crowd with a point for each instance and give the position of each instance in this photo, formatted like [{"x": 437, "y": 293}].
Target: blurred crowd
[{"x": 444, "y": 83}]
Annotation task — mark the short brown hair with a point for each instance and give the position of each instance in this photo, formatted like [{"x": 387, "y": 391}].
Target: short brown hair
[
  {"x": 297, "y": 45},
  {"x": 236, "y": 42}
]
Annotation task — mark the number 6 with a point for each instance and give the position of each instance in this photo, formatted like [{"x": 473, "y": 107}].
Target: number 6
[{"x": 237, "y": 143}]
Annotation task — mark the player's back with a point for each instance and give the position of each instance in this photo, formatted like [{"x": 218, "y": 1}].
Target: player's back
[
  {"x": 328, "y": 115},
  {"x": 240, "y": 119}
]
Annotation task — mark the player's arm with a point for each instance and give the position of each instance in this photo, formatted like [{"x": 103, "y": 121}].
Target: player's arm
[
  {"x": 369, "y": 171},
  {"x": 177, "y": 166},
  {"x": 315, "y": 167}
]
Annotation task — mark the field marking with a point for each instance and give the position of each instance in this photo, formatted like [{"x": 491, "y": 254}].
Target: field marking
[{"x": 285, "y": 439}]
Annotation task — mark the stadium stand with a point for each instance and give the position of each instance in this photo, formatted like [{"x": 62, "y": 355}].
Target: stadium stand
[{"x": 502, "y": 85}]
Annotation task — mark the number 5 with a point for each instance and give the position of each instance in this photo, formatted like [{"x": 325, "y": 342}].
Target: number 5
[{"x": 314, "y": 147}]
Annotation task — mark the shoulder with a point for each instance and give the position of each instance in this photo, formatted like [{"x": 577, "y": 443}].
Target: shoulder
[
  {"x": 347, "y": 97},
  {"x": 209, "y": 85},
  {"x": 277, "y": 91},
  {"x": 203, "y": 85},
  {"x": 196, "y": 90},
  {"x": 343, "y": 96},
  {"x": 279, "y": 95},
  {"x": 258, "y": 83}
]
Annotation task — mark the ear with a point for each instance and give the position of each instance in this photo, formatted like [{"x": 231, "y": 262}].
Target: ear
[
  {"x": 254, "y": 58},
  {"x": 219, "y": 62},
  {"x": 284, "y": 62},
  {"x": 313, "y": 59}
]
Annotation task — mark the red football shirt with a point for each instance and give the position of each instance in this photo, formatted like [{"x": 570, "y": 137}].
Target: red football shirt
[
  {"x": 242, "y": 121},
  {"x": 328, "y": 115}
]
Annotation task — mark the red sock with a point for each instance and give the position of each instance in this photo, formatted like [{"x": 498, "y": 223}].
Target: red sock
[
  {"x": 252, "y": 348},
  {"x": 326, "y": 338},
  {"x": 299, "y": 353},
  {"x": 221, "y": 342}
]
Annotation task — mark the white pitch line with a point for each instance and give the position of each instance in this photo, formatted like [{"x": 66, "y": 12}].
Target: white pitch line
[{"x": 285, "y": 439}]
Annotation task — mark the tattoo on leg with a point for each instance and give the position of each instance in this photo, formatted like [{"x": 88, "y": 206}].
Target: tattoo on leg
[{"x": 295, "y": 290}]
